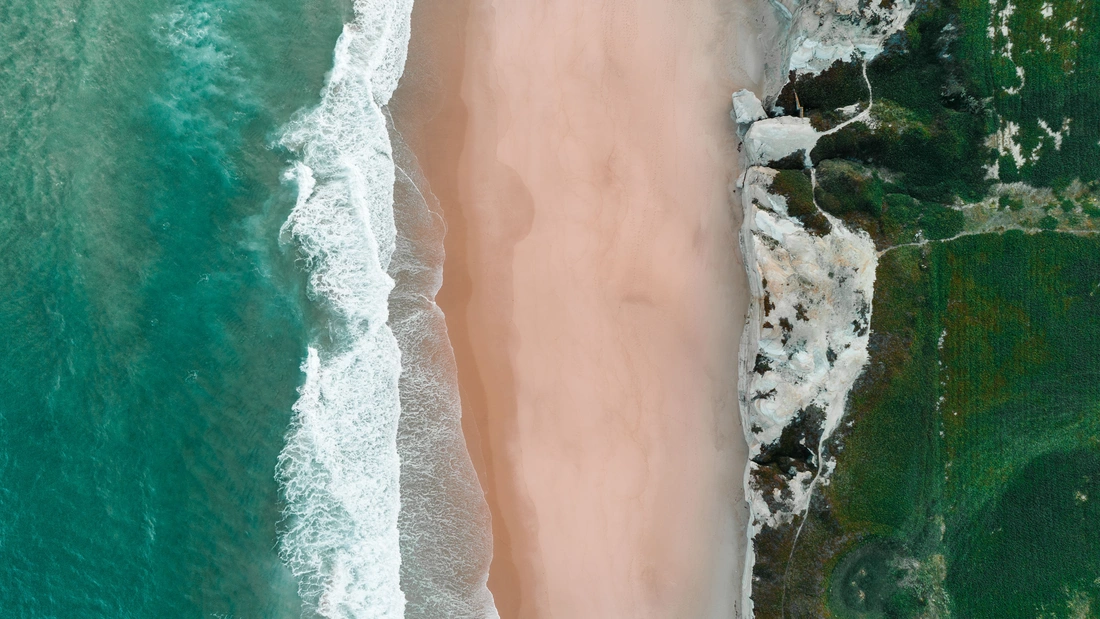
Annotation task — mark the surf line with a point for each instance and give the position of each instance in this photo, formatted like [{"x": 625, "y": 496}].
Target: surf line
[{"x": 339, "y": 470}]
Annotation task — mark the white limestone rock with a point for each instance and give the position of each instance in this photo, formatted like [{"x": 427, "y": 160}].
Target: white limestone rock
[
  {"x": 808, "y": 327},
  {"x": 747, "y": 109},
  {"x": 804, "y": 345},
  {"x": 824, "y": 31},
  {"x": 813, "y": 34},
  {"x": 772, "y": 139},
  {"x": 809, "y": 314}
]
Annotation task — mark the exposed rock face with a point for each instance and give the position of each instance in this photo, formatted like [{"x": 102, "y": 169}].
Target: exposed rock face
[
  {"x": 811, "y": 278},
  {"x": 773, "y": 139},
  {"x": 829, "y": 30},
  {"x": 747, "y": 108},
  {"x": 810, "y": 35},
  {"x": 783, "y": 141},
  {"x": 806, "y": 334}
]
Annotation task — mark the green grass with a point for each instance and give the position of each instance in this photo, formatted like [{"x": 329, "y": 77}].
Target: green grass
[
  {"x": 976, "y": 422},
  {"x": 796, "y": 187},
  {"x": 1017, "y": 373},
  {"x": 844, "y": 187},
  {"x": 1061, "y": 66},
  {"x": 1034, "y": 553}
]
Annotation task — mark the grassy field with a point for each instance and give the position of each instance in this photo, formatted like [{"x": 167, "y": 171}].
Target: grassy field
[
  {"x": 1040, "y": 67},
  {"x": 967, "y": 478},
  {"x": 968, "y": 471}
]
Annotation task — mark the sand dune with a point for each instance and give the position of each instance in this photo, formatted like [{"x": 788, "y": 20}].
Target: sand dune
[{"x": 585, "y": 162}]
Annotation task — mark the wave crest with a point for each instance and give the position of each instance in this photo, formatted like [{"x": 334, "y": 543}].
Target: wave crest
[{"x": 340, "y": 469}]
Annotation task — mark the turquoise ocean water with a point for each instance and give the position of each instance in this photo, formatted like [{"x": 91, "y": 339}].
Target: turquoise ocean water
[{"x": 213, "y": 401}]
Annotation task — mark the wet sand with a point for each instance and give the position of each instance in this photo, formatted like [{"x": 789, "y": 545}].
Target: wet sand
[{"x": 584, "y": 162}]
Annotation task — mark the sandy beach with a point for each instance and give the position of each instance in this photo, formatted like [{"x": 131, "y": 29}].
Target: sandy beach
[{"x": 584, "y": 162}]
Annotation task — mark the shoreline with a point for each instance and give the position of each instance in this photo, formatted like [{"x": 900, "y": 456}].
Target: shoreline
[
  {"x": 602, "y": 370},
  {"x": 431, "y": 115}
]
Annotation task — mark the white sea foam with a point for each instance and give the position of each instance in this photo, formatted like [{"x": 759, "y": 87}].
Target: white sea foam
[
  {"x": 205, "y": 77},
  {"x": 446, "y": 538},
  {"x": 340, "y": 468}
]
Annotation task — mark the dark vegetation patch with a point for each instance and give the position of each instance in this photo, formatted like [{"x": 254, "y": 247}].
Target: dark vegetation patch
[
  {"x": 1011, "y": 203},
  {"x": 1017, "y": 373},
  {"x": 800, "y": 312},
  {"x": 797, "y": 188},
  {"x": 845, "y": 187},
  {"x": 793, "y": 161},
  {"x": 859, "y": 328},
  {"x": 764, "y": 395},
  {"x": 762, "y": 365},
  {"x": 820, "y": 96},
  {"x": 797, "y": 592},
  {"x": 867, "y": 582},
  {"x": 772, "y": 546},
  {"x": 794, "y": 452},
  {"x": 787, "y": 327},
  {"x": 905, "y": 219}
]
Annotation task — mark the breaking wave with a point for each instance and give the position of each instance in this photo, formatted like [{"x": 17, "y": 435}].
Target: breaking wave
[
  {"x": 384, "y": 515},
  {"x": 340, "y": 469},
  {"x": 446, "y": 539}
]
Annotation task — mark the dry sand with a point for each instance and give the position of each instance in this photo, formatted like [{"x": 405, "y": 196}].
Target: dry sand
[{"x": 584, "y": 161}]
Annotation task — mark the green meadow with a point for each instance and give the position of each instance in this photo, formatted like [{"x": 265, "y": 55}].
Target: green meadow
[
  {"x": 964, "y": 478},
  {"x": 967, "y": 477}
]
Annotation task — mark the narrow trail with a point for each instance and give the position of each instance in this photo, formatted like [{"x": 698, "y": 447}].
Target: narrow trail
[
  {"x": 805, "y": 509},
  {"x": 1000, "y": 230},
  {"x": 865, "y": 115}
]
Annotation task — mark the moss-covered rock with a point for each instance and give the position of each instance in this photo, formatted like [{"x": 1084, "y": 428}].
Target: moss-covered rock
[
  {"x": 845, "y": 187},
  {"x": 797, "y": 188}
]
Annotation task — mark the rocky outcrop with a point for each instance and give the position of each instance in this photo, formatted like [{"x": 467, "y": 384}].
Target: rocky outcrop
[
  {"x": 808, "y": 36},
  {"x": 811, "y": 278},
  {"x": 811, "y": 281},
  {"x": 805, "y": 340},
  {"x": 829, "y": 30},
  {"x": 772, "y": 140}
]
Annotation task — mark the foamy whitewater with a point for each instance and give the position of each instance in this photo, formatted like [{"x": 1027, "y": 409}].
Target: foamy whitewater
[
  {"x": 446, "y": 534},
  {"x": 357, "y": 546}
]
